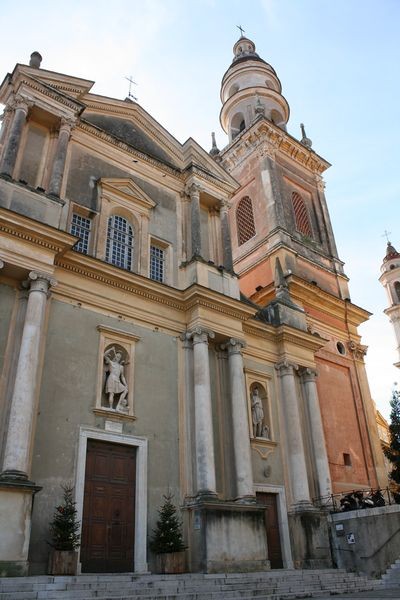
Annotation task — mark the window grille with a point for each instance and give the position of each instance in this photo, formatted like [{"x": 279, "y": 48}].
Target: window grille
[
  {"x": 245, "y": 220},
  {"x": 302, "y": 219},
  {"x": 119, "y": 250},
  {"x": 80, "y": 227},
  {"x": 157, "y": 263}
]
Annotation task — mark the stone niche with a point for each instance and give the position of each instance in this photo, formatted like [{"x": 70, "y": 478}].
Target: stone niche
[
  {"x": 259, "y": 410},
  {"x": 115, "y": 385}
]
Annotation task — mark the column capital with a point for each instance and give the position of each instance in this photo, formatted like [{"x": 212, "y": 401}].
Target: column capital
[
  {"x": 200, "y": 335},
  {"x": 23, "y": 103},
  {"x": 286, "y": 367},
  {"x": 39, "y": 282},
  {"x": 234, "y": 346},
  {"x": 193, "y": 190},
  {"x": 307, "y": 374},
  {"x": 67, "y": 123},
  {"x": 224, "y": 204}
]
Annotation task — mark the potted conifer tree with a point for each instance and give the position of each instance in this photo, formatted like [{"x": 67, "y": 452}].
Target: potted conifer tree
[
  {"x": 63, "y": 559},
  {"x": 167, "y": 541}
]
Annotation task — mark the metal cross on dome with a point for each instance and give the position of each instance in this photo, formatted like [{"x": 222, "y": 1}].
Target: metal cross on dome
[
  {"x": 386, "y": 235},
  {"x": 241, "y": 30}
]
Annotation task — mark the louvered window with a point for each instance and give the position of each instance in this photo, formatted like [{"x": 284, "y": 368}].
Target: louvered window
[
  {"x": 302, "y": 219},
  {"x": 245, "y": 220}
]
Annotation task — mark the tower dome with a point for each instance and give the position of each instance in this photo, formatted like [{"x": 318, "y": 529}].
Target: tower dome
[{"x": 250, "y": 87}]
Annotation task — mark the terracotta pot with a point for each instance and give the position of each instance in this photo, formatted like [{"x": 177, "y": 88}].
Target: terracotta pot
[
  {"x": 63, "y": 562},
  {"x": 171, "y": 562}
]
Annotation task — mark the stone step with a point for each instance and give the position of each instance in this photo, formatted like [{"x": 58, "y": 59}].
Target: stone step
[{"x": 267, "y": 585}]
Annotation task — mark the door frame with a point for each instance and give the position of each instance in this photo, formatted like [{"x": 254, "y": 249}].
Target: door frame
[
  {"x": 279, "y": 490},
  {"x": 140, "y": 541}
]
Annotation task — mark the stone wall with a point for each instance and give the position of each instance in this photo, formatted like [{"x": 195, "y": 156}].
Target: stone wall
[{"x": 366, "y": 541}]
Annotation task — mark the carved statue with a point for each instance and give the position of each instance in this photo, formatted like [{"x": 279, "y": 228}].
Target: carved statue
[
  {"x": 260, "y": 429},
  {"x": 116, "y": 382}
]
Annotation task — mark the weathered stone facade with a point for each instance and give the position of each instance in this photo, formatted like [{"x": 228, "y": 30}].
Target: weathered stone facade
[{"x": 131, "y": 319}]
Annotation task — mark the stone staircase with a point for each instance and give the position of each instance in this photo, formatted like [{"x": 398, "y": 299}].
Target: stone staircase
[
  {"x": 390, "y": 579},
  {"x": 268, "y": 585}
]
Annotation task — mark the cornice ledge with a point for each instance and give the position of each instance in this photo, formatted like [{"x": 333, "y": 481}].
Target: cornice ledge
[
  {"x": 197, "y": 295},
  {"x": 263, "y": 131},
  {"x": 24, "y": 228},
  {"x": 107, "y": 274},
  {"x": 53, "y": 93},
  {"x": 286, "y": 334},
  {"x": 202, "y": 174}
]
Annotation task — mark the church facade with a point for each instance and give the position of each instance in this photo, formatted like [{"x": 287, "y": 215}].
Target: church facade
[{"x": 176, "y": 321}]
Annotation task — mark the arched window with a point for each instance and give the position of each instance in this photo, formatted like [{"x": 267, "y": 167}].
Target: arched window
[
  {"x": 238, "y": 124},
  {"x": 119, "y": 250},
  {"x": 245, "y": 220},
  {"x": 397, "y": 290},
  {"x": 302, "y": 219}
]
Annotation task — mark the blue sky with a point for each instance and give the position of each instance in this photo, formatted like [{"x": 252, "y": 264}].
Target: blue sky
[{"x": 338, "y": 63}]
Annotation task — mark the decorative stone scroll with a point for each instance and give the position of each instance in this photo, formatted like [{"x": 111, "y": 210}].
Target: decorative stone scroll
[{"x": 116, "y": 373}]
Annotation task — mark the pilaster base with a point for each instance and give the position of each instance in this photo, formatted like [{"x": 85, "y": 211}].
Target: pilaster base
[
  {"x": 310, "y": 539},
  {"x": 16, "y": 496},
  {"x": 227, "y": 537}
]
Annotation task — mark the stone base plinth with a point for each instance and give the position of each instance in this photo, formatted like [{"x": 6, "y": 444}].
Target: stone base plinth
[
  {"x": 15, "y": 526},
  {"x": 226, "y": 537},
  {"x": 310, "y": 539}
]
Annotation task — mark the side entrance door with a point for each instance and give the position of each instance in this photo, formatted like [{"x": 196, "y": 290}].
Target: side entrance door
[
  {"x": 272, "y": 527},
  {"x": 108, "y": 521}
]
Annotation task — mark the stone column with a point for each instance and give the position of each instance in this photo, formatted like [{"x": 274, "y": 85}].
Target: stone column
[
  {"x": 295, "y": 455},
  {"x": 14, "y": 137},
  {"x": 195, "y": 223},
  {"x": 241, "y": 439},
  {"x": 205, "y": 462},
  {"x": 6, "y": 119},
  {"x": 17, "y": 456},
  {"x": 60, "y": 155},
  {"x": 308, "y": 377},
  {"x": 226, "y": 236}
]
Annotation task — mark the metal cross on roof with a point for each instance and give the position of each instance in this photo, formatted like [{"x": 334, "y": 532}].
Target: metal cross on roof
[
  {"x": 386, "y": 235},
  {"x": 131, "y": 82},
  {"x": 241, "y": 30}
]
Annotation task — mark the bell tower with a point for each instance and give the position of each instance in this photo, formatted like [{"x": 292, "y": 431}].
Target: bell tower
[
  {"x": 285, "y": 254},
  {"x": 280, "y": 210},
  {"x": 390, "y": 279}
]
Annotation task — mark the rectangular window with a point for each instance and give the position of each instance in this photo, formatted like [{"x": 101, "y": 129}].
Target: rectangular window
[
  {"x": 347, "y": 459},
  {"x": 80, "y": 227},
  {"x": 157, "y": 263}
]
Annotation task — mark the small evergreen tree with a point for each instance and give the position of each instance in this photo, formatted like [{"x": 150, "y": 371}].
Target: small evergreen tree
[
  {"x": 393, "y": 452},
  {"x": 167, "y": 536},
  {"x": 64, "y": 525}
]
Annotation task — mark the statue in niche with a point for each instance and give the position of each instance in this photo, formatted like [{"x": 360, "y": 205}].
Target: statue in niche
[
  {"x": 260, "y": 429},
  {"x": 115, "y": 383}
]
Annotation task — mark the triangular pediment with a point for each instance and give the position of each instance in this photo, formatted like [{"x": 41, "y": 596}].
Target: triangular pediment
[
  {"x": 75, "y": 87},
  {"x": 127, "y": 189}
]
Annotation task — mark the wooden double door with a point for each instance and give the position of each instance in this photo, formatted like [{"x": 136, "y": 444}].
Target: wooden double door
[
  {"x": 108, "y": 521},
  {"x": 272, "y": 527}
]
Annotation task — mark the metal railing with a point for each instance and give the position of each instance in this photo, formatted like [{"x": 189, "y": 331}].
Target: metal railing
[{"x": 357, "y": 500}]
